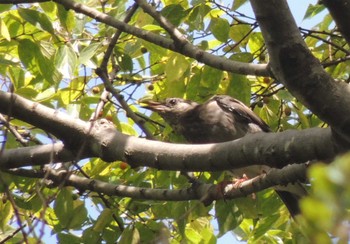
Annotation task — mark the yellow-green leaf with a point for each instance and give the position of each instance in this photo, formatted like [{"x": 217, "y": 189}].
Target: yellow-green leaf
[{"x": 4, "y": 32}]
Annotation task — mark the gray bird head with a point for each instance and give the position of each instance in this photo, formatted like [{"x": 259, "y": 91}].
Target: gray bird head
[{"x": 171, "y": 109}]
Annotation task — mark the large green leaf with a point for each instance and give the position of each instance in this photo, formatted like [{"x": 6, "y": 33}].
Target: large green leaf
[
  {"x": 6, "y": 213},
  {"x": 174, "y": 13},
  {"x": 239, "y": 33},
  {"x": 211, "y": 78},
  {"x": 70, "y": 212},
  {"x": 228, "y": 216},
  {"x": 239, "y": 87},
  {"x": 4, "y": 32},
  {"x": 88, "y": 52},
  {"x": 31, "y": 55},
  {"x": 130, "y": 236},
  {"x": 37, "y": 19},
  {"x": 66, "y": 18},
  {"x": 220, "y": 29},
  {"x": 66, "y": 61}
]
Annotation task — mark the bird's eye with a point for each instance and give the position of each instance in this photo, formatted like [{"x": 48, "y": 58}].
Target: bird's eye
[{"x": 172, "y": 101}]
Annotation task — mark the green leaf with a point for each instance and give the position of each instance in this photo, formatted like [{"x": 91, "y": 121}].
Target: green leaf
[
  {"x": 103, "y": 220},
  {"x": 130, "y": 236},
  {"x": 239, "y": 87},
  {"x": 197, "y": 15},
  {"x": 6, "y": 212},
  {"x": 176, "y": 66},
  {"x": 247, "y": 207},
  {"x": 66, "y": 61},
  {"x": 37, "y": 19},
  {"x": 304, "y": 121},
  {"x": 125, "y": 62},
  {"x": 265, "y": 225},
  {"x": 199, "y": 230},
  {"x": 329, "y": 195},
  {"x": 153, "y": 28},
  {"x": 313, "y": 10},
  {"x": 31, "y": 56},
  {"x": 242, "y": 57},
  {"x": 211, "y": 78},
  {"x": 128, "y": 129},
  {"x": 46, "y": 94},
  {"x": 66, "y": 17},
  {"x": 238, "y": 3},
  {"x": 75, "y": 89},
  {"x": 17, "y": 76},
  {"x": 193, "y": 84},
  {"x": 71, "y": 213},
  {"x": 63, "y": 206},
  {"x": 256, "y": 41},
  {"x": 193, "y": 236},
  {"x": 238, "y": 32},
  {"x": 174, "y": 13},
  {"x": 220, "y": 28},
  {"x": 90, "y": 236},
  {"x": 73, "y": 110},
  {"x": 228, "y": 216},
  {"x": 5, "y": 7},
  {"x": 4, "y": 32},
  {"x": 68, "y": 238},
  {"x": 88, "y": 52},
  {"x": 49, "y": 8}
]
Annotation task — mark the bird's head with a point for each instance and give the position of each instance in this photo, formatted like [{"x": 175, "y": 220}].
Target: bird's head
[{"x": 171, "y": 109}]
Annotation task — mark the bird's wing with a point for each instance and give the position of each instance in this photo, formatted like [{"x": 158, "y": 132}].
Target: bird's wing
[{"x": 244, "y": 113}]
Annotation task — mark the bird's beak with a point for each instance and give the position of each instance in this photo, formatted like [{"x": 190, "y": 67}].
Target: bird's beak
[{"x": 154, "y": 106}]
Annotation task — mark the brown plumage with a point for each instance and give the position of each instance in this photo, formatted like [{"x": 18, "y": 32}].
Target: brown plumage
[{"x": 221, "y": 118}]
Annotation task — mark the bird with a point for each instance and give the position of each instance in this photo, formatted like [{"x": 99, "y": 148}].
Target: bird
[{"x": 221, "y": 118}]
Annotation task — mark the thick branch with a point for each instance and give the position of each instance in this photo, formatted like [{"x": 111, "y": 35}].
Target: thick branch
[
  {"x": 36, "y": 155},
  {"x": 71, "y": 131},
  {"x": 293, "y": 64},
  {"x": 340, "y": 11},
  {"x": 187, "y": 50},
  {"x": 101, "y": 139},
  {"x": 273, "y": 149}
]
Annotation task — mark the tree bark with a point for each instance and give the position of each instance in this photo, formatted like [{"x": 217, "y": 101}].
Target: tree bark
[
  {"x": 340, "y": 11},
  {"x": 293, "y": 64}
]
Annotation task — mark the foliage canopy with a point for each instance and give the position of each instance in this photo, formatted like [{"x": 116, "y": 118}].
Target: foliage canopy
[{"x": 95, "y": 59}]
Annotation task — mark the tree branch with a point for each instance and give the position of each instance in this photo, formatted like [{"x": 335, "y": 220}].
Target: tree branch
[
  {"x": 293, "y": 64},
  {"x": 198, "y": 191},
  {"x": 102, "y": 73},
  {"x": 101, "y": 139},
  {"x": 35, "y": 155},
  {"x": 188, "y": 50},
  {"x": 340, "y": 11},
  {"x": 176, "y": 35},
  {"x": 59, "y": 124}
]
